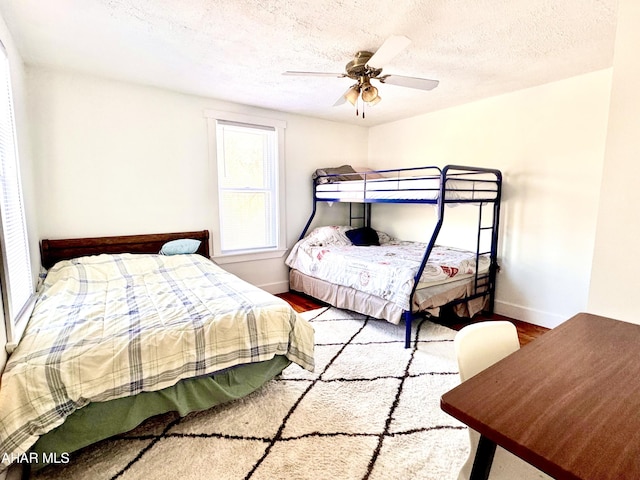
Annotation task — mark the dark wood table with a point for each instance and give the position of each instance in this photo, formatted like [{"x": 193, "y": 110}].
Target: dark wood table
[{"x": 567, "y": 403}]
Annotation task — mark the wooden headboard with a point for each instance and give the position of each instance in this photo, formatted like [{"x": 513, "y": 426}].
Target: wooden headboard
[{"x": 52, "y": 251}]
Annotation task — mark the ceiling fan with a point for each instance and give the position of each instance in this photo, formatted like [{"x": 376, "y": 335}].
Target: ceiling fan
[{"x": 367, "y": 66}]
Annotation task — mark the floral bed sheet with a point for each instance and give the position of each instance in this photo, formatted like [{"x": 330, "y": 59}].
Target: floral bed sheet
[{"x": 386, "y": 271}]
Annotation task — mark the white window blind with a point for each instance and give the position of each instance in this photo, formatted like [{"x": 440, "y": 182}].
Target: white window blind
[
  {"x": 247, "y": 187},
  {"x": 17, "y": 281}
]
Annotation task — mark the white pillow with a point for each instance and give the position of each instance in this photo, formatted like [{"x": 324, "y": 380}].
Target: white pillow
[{"x": 330, "y": 235}]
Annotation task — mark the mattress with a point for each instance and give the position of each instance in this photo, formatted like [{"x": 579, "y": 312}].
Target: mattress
[
  {"x": 428, "y": 300},
  {"x": 425, "y": 189},
  {"x": 386, "y": 271}
]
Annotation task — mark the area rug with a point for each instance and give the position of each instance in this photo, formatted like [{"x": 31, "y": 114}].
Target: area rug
[{"x": 371, "y": 410}]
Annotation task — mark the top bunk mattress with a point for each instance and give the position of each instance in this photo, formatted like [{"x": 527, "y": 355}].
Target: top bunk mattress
[{"x": 423, "y": 188}]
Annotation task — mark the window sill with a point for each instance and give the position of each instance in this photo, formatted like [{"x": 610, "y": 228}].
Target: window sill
[{"x": 247, "y": 257}]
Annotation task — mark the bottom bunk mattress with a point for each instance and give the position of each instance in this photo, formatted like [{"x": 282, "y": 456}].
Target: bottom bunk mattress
[
  {"x": 384, "y": 272},
  {"x": 108, "y": 327},
  {"x": 428, "y": 299}
]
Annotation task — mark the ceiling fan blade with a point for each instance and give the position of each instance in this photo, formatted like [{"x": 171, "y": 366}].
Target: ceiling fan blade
[
  {"x": 314, "y": 74},
  {"x": 411, "y": 82},
  {"x": 391, "y": 47},
  {"x": 340, "y": 101},
  {"x": 343, "y": 98}
]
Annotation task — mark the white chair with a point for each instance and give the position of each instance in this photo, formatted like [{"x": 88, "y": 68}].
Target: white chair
[{"x": 477, "y": 347}]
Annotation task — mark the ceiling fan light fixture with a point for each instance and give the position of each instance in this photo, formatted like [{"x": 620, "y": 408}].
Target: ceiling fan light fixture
[
  {"x": 352, "y": 94},
  {"x": 375, "y": 101},
  {"x": 369, "y": 93}
]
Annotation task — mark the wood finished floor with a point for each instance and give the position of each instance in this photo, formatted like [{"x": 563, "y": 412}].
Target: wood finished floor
[{"x": 526, "y": 331}]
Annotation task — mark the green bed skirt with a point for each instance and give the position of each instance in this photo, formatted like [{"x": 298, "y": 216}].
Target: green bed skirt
[{"x": 101, "y": 420}]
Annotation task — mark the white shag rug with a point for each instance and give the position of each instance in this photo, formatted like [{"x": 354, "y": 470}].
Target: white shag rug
[{"x": 371, "y": 410}]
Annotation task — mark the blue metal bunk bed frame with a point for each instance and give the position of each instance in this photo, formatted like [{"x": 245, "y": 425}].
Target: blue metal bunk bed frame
[{"x": 485, "y": 190}]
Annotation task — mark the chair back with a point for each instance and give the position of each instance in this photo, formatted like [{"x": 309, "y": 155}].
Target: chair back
[
  {"x": 478, "y": 346},
  {"x": 482, "y": 344}
]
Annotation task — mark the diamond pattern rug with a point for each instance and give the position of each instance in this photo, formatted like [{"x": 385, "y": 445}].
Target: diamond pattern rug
[{"x": 371, "y": 410}]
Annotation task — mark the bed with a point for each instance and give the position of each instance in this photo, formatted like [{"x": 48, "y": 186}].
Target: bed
[
  {"x": 117, "y": 337},
  {"x": 387, "y": 278}
]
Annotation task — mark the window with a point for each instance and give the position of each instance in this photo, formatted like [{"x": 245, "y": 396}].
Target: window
[
  {"x": 17, "y": 282},
  {"x": 249, "y": 186}
]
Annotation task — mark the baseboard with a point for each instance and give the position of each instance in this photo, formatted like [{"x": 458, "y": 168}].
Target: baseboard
[
  {"x": 276, "y": 287},
  {"x": 529, "y": 315}
]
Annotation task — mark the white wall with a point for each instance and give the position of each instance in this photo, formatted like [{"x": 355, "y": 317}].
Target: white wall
[
  {"x": 614, "y": 279},
  {"x": 115, "y": 158},
  {"x": 549, "y": 142}
]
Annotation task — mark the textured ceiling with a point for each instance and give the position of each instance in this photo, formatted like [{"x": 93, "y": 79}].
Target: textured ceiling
[{"x": 236, "y": 50}]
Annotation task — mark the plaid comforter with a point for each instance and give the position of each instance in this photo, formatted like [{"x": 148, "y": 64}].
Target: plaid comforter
[{"x": 111, "y": 326}]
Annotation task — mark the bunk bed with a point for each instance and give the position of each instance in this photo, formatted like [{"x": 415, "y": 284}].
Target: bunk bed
[
  {"x": 346, "y": 265},
  {"x": 128, "y": 327}
]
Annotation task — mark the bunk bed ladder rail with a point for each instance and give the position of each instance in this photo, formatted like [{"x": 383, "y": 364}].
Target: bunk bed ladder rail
[
  {"x": 364, "y": 216},
  {"x": 485, "y": 284},
  {"x": 313, "y": 211},
  {"x": 494, "y": 267},
  {"x": 408, "y": 314},
  {"x": 489, "y": 286}
]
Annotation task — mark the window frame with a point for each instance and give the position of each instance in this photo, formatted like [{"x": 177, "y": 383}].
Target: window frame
[
  {"x": 213, "y": 118},
  {"x": 16, "y": 315}
]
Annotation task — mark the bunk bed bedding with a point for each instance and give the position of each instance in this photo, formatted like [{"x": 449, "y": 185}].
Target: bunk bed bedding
[
  {"x": 405, "y": 188},
  {"x": 385, "y": 272},
  {"x": 109, "y": 327}
]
